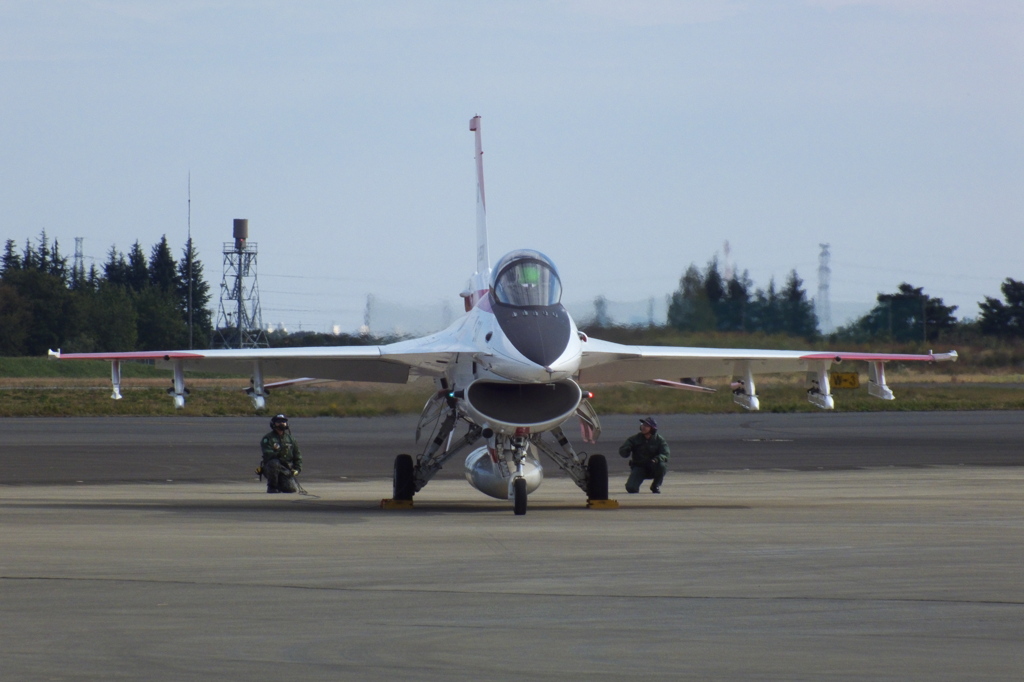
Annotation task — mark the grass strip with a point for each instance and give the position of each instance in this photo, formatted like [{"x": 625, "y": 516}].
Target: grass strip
[{"x": 371, "y": 402}]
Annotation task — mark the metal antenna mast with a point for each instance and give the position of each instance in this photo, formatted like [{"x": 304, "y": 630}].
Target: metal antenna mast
[
  {"x": 823, "y": 306},
  {"x": 242, "y": 327},
  {"x": 189, "y": 256}
]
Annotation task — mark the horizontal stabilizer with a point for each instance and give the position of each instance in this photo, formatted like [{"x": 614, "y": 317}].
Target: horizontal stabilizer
[
  {"x": 682, "y": 385},
  {"x": 294, "y": 382}
]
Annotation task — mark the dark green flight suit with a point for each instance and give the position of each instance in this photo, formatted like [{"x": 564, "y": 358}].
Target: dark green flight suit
[
  {"x": 648, "y": 459},
  {"x": 280, "y": 457}
]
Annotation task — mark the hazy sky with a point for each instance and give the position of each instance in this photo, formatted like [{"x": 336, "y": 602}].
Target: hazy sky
[{"x": 624, "y": 139}]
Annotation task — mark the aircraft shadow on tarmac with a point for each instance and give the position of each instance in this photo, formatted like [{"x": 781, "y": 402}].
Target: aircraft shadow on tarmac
[{"x": 310, "y": 505}]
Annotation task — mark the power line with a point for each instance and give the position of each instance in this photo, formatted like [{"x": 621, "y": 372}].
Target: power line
[{"x": 875, "y": 268}]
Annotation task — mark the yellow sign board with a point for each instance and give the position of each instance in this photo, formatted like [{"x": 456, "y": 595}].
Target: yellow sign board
[{"x": 844, "y": 379}]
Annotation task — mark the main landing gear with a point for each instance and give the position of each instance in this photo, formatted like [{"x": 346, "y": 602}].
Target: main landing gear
[
  {"x": 404, "y": 481},
  {"x": 591, "y": 476},
  {"x": 597, "y": 478},
  {"x": 411, "y": 474},
  {"x": 596, "y": 486}
]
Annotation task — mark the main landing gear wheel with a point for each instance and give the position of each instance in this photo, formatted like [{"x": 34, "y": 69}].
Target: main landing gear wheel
[
  {"x": 519, "y": 492},
  {"x": 404, "y": 482},
  {"x": 597, "y": 478}
]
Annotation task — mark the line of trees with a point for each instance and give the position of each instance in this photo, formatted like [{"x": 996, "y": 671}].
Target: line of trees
[
  {"x": 906, "y": 315},
  {"x": 136, "y": 301},
  {"x": 132, "y": 302},
  {"x": 709, "y": 300},
  {"x": 1004, "y": 318}
]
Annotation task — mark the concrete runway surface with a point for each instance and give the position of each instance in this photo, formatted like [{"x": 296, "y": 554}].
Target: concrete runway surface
[
  {"x": 126, "y": 449},
  {"x": 783, "y": 547}
]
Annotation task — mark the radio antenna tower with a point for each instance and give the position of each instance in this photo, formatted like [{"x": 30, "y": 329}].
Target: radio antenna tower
[
  {"x": 239, "y": 320},
  {"x": 822, "y": 305},
  {"x": 365, "y": 330}
]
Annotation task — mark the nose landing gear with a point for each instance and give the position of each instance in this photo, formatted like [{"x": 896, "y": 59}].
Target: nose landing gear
[
  {"x": 519, "y": 483},
  {"x": 519, "y": 496}
]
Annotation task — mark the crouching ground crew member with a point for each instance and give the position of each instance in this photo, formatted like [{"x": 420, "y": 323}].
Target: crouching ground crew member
[
  {"x": 281, "y": 458},
  {"x": 648, "y": 457}
]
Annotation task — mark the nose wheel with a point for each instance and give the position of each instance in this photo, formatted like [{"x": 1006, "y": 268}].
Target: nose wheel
[
  {"x": 519, "y": 482},
  {"x": 519, "y": 496}
]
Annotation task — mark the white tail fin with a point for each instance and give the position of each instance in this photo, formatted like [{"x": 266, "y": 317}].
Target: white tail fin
[{"x": 483, "y": 261}]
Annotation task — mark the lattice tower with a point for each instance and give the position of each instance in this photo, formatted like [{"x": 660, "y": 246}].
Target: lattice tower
[
  {"x": 78, "y": 265},
  {"x": 239, "y": 320}
]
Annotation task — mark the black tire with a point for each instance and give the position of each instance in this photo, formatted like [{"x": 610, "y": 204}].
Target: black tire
[
  {"x": 519, "y": 491},
  {"x": 597, "y": 478},
  {"x": 404, "y": 482}
]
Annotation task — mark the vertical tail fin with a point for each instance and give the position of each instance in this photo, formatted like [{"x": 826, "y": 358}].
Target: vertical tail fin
[{"x": 483, "y": 261}]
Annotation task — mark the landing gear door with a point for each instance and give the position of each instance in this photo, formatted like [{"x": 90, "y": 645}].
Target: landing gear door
[{"x": 590, "y": 424}]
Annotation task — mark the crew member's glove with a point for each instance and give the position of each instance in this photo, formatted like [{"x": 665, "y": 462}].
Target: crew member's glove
[{"x": 295, "y": 472}]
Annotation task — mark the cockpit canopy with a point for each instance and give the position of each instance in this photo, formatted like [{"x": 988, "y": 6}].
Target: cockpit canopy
[{"x": 526, "y": 278}]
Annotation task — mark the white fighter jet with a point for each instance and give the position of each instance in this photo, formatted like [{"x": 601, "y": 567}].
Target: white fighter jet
[{"x": 508, "y": 374}]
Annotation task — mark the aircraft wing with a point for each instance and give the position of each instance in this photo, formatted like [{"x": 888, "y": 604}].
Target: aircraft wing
[
  {"x": 399, "y": 362},
  {"x": 604, "y": 361}
]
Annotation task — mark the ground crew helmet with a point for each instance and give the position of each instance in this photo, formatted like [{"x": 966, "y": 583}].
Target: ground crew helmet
[{"x": 278, "y": 419}]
